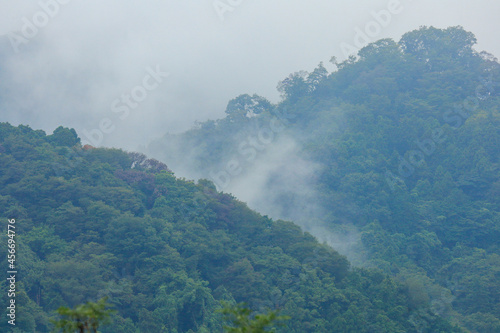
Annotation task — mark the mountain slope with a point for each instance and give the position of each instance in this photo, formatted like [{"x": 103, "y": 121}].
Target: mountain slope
[
  {"x": 103, "y": 222},
  {"x": 398, "y": 150}
]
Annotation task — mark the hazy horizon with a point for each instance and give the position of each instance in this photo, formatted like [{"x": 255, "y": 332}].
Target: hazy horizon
[{"x": 70, "y": 63}]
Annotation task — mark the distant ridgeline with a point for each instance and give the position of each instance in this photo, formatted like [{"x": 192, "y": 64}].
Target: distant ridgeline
[
  {"x": 102, "y": 222},
  {"x": 405, "y": 143}
]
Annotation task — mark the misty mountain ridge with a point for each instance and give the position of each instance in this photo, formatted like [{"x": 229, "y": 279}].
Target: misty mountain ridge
[
  {"x": 166, "y": 251},
  {"x": 369, "y": 149},
  {"x": 391, "y": 162}
]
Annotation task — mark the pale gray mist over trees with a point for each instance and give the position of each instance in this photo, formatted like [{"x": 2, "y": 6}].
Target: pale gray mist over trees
[
  {"x": 90, "y": 53},
  {"x": 248, "y": 128}
]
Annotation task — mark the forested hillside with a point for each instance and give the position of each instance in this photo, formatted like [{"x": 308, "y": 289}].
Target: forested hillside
[
  {"x": 405, "y": 143},
  {"x": 103, "y": 222}
]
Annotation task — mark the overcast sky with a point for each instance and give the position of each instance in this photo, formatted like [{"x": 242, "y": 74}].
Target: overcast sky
[{"x": 96, "y": 63}]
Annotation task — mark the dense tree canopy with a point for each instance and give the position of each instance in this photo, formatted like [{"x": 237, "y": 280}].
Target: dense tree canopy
[
  {"x": 406, "y": 137},
  {"x": 166, "y": 251}
]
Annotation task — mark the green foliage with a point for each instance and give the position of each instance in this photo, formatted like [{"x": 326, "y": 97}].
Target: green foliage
[
  {"x": 244, "y": 322},
  {"x": 83, "y": 318},
  {"x": 64, "y": 137},
  {"x": 166, "y": 251},
  {"x": 405, "y": 137}
]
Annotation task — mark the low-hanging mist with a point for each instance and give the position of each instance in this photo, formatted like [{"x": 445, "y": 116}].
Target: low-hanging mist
[{"x": 262, "y": 162}]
